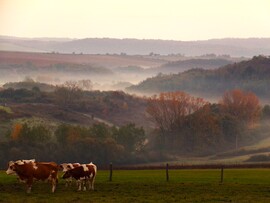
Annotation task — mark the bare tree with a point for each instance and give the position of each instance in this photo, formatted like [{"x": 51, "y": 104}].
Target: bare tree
[
  {"x": 169, "y": 109},
  {"x": 68, "y": 93}
]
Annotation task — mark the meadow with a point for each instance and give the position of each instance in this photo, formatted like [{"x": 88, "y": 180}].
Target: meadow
[{"x": 195, "y": 185}]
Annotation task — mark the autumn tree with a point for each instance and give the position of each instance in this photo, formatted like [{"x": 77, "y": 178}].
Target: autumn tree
[
  {"x": 244, "y": 106},
  {"x": 169, "y": 109},
  {"x": 16, "y": 131}
]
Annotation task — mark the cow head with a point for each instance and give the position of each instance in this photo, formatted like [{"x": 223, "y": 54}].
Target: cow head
[
  {"x": 67, "y": 175},
  {"x": 11, "y": 168},
  {"x": 63, "y": 167},
  {"x": 69, "y": 166},
  {"x": 12, "y": 165}
]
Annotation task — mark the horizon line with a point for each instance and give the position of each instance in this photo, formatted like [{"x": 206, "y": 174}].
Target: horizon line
[{"x": 131, "y": 38}]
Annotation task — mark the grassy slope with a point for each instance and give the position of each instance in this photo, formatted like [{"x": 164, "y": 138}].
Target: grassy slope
[
  {"x": 252, "y": 185},
  {"x": 242, "y": 154}
]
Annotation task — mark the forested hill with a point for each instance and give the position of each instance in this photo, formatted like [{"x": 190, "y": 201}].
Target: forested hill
[{"x": 252, "y": 75}]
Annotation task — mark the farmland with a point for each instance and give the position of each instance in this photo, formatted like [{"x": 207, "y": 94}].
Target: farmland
[{"x": 197, "y": 185}]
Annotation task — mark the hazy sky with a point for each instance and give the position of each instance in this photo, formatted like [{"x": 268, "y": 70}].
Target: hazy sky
[{"x": 143, "y": 19}]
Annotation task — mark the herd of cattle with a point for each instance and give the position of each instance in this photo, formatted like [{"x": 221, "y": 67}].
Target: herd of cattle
[{"x": 30, "y": 170}]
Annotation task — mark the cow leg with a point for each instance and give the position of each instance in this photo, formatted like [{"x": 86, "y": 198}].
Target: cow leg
[
  {"x": 70, "y": 181},
  {"x": 91, "y": 182},
  {"x": 54, "y": 179},
  {"x": 79, "y": 184},
  {"x": 28, "y": 190},
  {"x": 53, "y": 185},
  {"x": 29, "y": 183},
  {"x": 84, "y": 185}
]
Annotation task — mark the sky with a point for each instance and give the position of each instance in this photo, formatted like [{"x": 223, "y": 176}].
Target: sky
[{"x": 142, "y": 19}]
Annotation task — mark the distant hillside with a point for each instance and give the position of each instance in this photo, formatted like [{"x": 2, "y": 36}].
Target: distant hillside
[
  {"x": 182, "y": 65},
  {"x": 234, "y": 47},
  {"x": 252, "y": 75},
  {"x": 114, "y": 107},
  {"x": 30, "y": 86}
]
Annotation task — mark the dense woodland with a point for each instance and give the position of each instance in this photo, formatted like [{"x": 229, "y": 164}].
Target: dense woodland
[{"x": 252, "y": 75}]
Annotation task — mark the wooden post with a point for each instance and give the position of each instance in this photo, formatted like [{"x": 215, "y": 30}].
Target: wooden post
[
  {"x": 167, "y": 172},
  {"x": 221, "y": 174},
  {"x": 111, "y": 170}
]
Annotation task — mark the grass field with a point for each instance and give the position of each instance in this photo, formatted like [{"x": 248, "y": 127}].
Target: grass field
[{"x": 240, "y": 185}]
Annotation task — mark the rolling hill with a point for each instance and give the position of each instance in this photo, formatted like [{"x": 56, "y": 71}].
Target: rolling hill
[
  {"x": 251, "y": 75},
  {"x": 183, "y": 65}
]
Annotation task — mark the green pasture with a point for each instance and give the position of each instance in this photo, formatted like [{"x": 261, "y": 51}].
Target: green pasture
[{"x": 240, "y": 185}]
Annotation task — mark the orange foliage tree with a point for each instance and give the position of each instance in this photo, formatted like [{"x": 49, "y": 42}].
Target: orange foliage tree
[
  {"x": 169, "y": 109},
  {"x": 16, "y": 131},
  {"x": 244, "y": 106}
]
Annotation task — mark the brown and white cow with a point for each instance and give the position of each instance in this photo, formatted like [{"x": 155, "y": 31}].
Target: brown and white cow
[
  {"x": 20, "y": 162},
  {"x": 65, "y": 167},
  {"x": 84, "y": 172},
  {"x": 30, "y": 171}
]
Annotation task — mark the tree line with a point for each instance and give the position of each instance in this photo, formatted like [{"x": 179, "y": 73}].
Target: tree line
[
  {"x": 73, "y": 143},
  {"x": 188, "y": 124}
]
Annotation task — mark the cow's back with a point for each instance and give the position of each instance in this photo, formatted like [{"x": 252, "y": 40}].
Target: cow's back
[{"x": 45, "y": 170}]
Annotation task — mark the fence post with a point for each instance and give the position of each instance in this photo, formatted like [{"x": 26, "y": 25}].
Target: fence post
[
  {"x": 167, "y": 172},
  {"x": 111, "y": 170},
  {"x": 221, "y": 174}
]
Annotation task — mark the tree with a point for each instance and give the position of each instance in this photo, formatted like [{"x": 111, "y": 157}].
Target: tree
[
  {"x": 85, "y": 84},
  {"x": 100, "y": 131},
  {"x": 17, "y": 128},
  {"x": 28, "y": 79},
  {"x": 244, "y": 106},
  {"x": 203, "y": 131},
  {"x": 169, "y": 109},
  {"x": 25, "y": 133},
  {"x": 266, "y": 112},
  {"x": 61, "y": 133},
  {"x": 131, "y": 137},
  {"x": 68, "y": 93}
]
